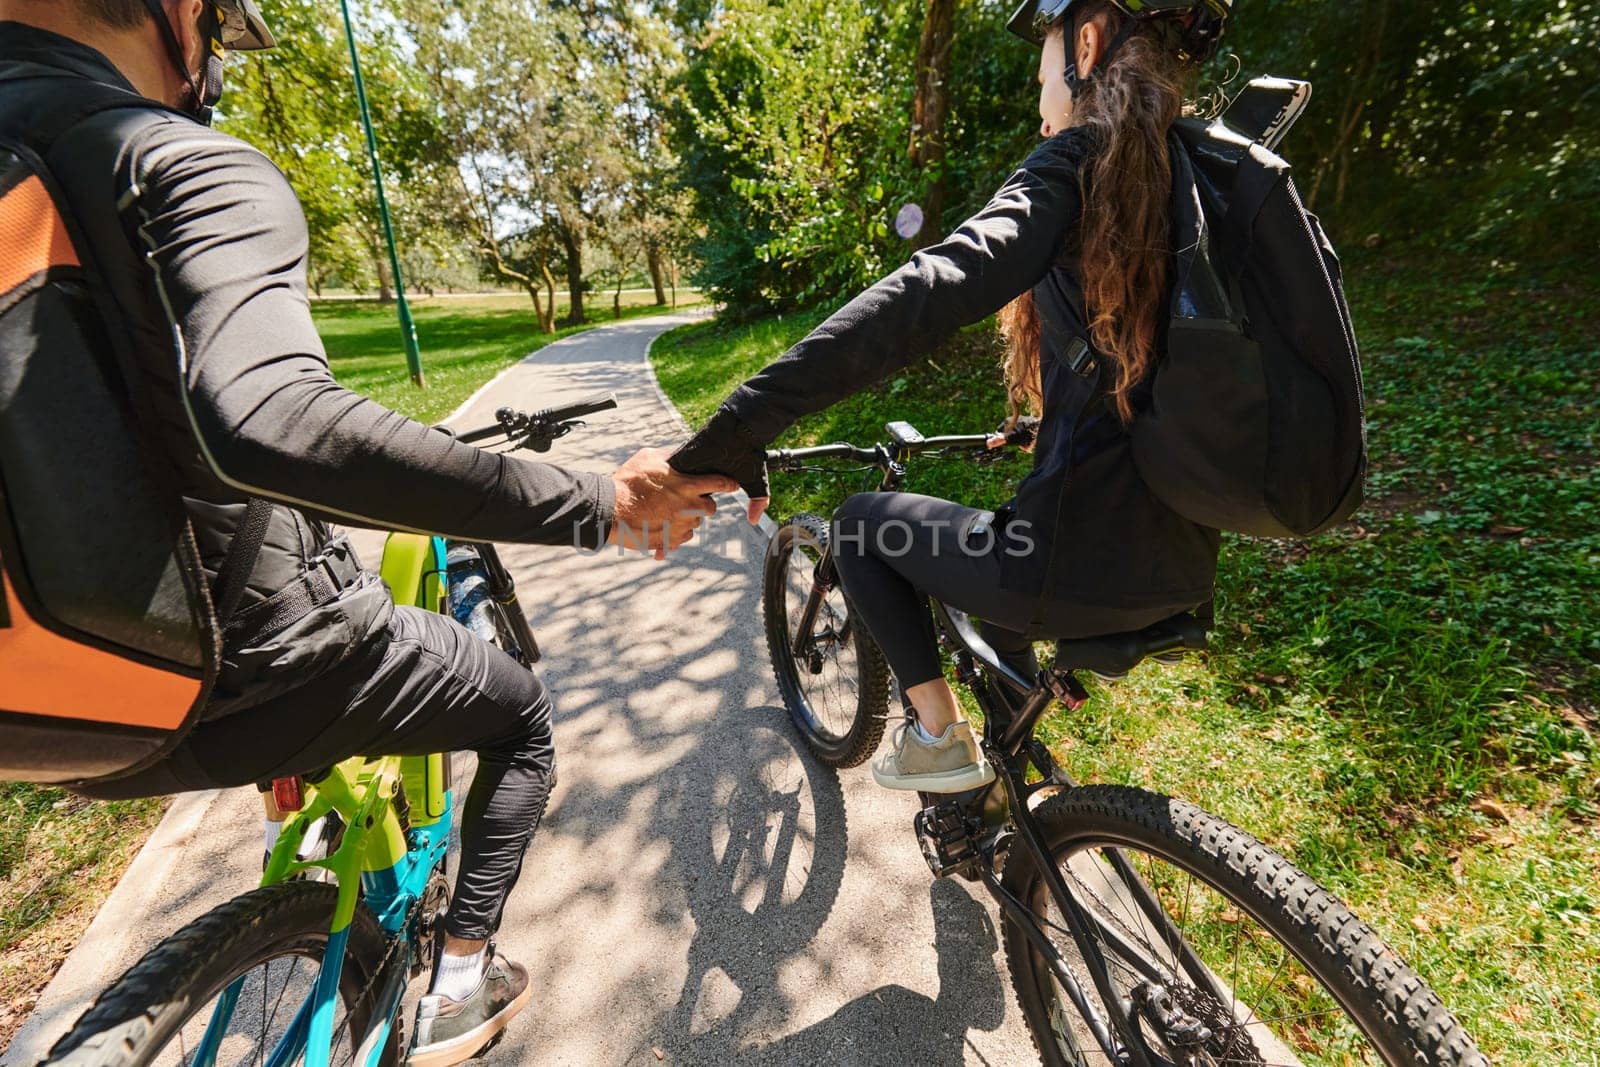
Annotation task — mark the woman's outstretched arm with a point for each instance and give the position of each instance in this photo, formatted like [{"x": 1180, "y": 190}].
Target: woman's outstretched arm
[{"x": 995, "y": 256}]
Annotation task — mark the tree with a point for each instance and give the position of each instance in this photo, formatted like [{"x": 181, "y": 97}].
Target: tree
[
  {"x": 536, "y": 122},
  {"x": 297, "y": 104},
  {"x": 790, "y": 125},
  {"x": 929, "y": 110},
  {"x": 1470, "y": 125}
]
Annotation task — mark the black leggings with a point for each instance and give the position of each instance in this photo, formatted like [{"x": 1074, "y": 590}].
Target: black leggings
[
  {"x": 894, "y": 550},
  {"x": 431, "y": 687}
]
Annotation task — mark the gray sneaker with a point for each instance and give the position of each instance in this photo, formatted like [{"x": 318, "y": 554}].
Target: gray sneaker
[
  {"x": 453, "y": 1031},
  {"x": 948, "y": 765}
]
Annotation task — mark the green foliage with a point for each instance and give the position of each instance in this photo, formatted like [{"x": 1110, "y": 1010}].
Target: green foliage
[
  {"x": 792, "y": 131},
  {"x": 1467, "y": 125},
  {"x": 297, "y": 103}
]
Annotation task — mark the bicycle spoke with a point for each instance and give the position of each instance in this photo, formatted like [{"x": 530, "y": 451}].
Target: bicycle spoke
[
  {"x": 266, "y": 986},
  {"x": 1266, "y": 1009},
  {"x": 832, "y": 693}
]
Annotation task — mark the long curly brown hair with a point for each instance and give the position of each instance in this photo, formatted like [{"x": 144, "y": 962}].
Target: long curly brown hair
[{"x": 1124, "y": 247}]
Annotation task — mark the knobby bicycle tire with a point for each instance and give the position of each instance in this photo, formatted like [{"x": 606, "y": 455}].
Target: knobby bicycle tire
[
  {"x": 134, "y": 1020},
  {"x": 856, "y": 744},
  {"x": 1403, "y": 1019}
]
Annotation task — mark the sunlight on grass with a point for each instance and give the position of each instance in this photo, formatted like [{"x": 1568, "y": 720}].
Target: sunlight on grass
[
  {"x": 464, "y": 342},
  {"x": 1406, "y": 707}
]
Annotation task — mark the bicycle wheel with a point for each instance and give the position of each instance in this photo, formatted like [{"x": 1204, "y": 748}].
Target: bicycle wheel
[
  {"x": 274, "y": 938},
  {"x": 838, "y": 692},
  {"x": 1280, "y": 971}
]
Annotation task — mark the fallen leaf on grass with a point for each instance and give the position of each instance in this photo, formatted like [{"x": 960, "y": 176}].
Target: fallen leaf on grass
[
  {"x": 1573, "y": 717},
  {"x": 1419, "y": 923},
  {"x": 1491, "y": 809},
  {"x": 1507, "y": 531}
]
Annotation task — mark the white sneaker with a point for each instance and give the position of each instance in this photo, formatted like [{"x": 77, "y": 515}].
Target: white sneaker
[{"x": 951, "y": 763}]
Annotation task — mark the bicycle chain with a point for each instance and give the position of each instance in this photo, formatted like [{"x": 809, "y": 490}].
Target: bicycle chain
[{"x": 378, "y": 972}]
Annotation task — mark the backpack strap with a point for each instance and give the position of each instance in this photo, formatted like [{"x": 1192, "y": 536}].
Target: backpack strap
[
  {"x": 1257, "y": 173},
  {"x": 243, "y": 551},
  {"x": 46, "y": 121}
]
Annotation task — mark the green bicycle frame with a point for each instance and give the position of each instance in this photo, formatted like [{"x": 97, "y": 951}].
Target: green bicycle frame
[{"x": 381, "y": 860}]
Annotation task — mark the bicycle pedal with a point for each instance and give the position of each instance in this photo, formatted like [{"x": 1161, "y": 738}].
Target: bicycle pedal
[
  {"x": 946, "y": 840},
  {"x": 1110, "y": 679}
]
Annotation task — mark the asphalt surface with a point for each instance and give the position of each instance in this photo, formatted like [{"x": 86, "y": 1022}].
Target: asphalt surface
[{"x": 701, "y": 890}]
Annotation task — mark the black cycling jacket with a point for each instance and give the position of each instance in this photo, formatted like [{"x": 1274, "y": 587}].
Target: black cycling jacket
[
  {"x": 204, "y": 245},
  {"x": 1103, "y": 546}
]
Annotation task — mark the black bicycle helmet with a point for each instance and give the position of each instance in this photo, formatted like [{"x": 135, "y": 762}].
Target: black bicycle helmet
[
  {"x": 243, "y": 28},
  {"x": 228, "y": 24},
  {"x": 1200, "y": 23}
]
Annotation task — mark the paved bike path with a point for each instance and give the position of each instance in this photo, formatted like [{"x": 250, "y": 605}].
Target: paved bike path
[{"x": 701, "y": 891}]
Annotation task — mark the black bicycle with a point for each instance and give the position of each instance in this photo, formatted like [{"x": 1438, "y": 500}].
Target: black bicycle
[{"x": 1138, "y": 929}]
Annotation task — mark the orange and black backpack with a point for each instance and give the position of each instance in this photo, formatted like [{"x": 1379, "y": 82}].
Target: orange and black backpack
[{"x": 109, "y": 633}]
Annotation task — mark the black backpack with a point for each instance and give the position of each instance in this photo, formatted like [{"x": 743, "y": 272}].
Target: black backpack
[
  {"x": 109, "y": 633},
  {"x": 1257, "y": 422}
]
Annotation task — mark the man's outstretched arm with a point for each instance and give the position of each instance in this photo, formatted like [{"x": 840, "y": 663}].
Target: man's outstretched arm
[{"x": 228, "y": 243}]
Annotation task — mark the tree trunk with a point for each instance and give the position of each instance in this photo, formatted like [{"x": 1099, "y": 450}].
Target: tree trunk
[
  {"x": 652, "y": 255},
  {"x": 1358, "y": 92},
  {"x": 574, "y": 247},
  {"x": 531, "y": 284},
  {"x": 380, "y": 260},
  {"x": 929, "y": 110},
  {"x": 550, "y": 295}
]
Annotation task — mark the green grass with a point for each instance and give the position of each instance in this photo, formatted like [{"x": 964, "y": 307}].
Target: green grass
[
  {"x": 59, "y": 856},
  {"x": 464, "y": 342},
  {"x": 1405, "y": 706}
]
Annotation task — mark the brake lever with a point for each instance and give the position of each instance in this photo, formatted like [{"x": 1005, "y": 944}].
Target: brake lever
[{"x": 541, "y": 436}]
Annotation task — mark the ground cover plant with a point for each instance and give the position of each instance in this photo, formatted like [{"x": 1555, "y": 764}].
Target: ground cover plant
[{"x": 1406, "y": 706}]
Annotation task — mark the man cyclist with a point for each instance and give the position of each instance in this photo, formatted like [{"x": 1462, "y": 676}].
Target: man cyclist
[{"x": 203, "y": 245}]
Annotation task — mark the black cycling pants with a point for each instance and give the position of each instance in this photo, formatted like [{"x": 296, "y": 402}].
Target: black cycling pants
[
  {"x": 894, "y": 550},
  {"x": 431, "y": 687}
]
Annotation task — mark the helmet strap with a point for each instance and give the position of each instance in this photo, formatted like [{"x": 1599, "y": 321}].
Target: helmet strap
[
  {"x": 204, "y": 96},
  {"x": 1077, "y": 84},
  {"x": 211, "y": 26}
]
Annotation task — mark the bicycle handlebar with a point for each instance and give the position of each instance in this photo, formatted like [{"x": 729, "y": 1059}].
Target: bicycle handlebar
[
  {"x": 788, "y": 457},
  {"x": 540, "y": 426}
]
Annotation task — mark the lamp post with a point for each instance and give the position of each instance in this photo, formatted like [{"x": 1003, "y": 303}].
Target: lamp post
[{"x": 408, "y": 326}]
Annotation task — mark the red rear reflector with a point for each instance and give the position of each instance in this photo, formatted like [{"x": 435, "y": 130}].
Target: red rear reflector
[{"x": 286, "y": 794}]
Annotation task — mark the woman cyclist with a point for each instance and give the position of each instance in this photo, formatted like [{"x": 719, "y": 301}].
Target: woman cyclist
[{"x": 1075, "y": 251}]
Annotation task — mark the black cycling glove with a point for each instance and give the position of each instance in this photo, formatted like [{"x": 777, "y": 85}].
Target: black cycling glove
[
  {"x": 1023, "y": 434},
  {"x": 725, "y": 446}
]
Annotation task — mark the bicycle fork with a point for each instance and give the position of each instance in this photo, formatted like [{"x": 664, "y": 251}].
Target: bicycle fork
[{"x": 824, "y": 578}]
